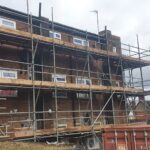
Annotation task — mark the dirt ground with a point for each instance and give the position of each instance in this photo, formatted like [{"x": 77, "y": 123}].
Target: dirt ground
[{"x": 31, "y": 146}]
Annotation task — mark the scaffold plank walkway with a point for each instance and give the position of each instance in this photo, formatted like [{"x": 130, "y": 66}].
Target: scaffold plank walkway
[
  {"x": 68, "y": 86},
  {"x": 70, "y": 45}
]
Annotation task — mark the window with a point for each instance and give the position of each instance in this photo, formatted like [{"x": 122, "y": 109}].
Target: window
[
  {"x": 8, "y": 74},
  {"x": 7, "y": 23},
  {"x": 80, "y": 41},
  {"x": 50, "y": 34},
  {"x": 55, "y": 35},
  {"x": 85, "y": 81},
  {"x": 115, "y": 83},
  {"x": 114, "y": 49},
  {"x": 8, "y": 93},
  {"x": 83, "y": 95},
  {"x": 85, "y": 43},
  {"x": 77, "y": 41},
  {"x": 60, "y": 94},
  {"x": 59, "y": 78}
]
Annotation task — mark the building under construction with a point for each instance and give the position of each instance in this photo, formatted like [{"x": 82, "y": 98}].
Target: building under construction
[{"x": 58, "y": 83}]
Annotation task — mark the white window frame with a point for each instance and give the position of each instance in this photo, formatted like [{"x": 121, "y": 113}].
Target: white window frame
[
  {"x": 83, "y": 80},
  {"x": 54, "y": 35},
  {"x": 56, "y": 76},
  {"x": 115, "y": 83},
  {"x": 114, "y": 49},
  {"x": 86, "y": 43},
  {"x": 7, "y": 20},
  {"x": 118, "y": 83},
  {"x": 2, "y": 72},
  {"x": 64, "y": 94},
  {"x": 83, "y": 41},
  {"x": 83, "y": 95}
]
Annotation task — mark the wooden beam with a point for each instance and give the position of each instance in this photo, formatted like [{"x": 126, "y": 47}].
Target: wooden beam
[{"x": 68, "y": 86}]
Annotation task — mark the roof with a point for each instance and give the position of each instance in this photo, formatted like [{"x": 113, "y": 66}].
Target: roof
[{"x": 7, "y": 12}]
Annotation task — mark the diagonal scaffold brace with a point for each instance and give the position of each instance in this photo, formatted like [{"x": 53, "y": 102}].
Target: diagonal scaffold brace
[{"x": 103, "y": 109}]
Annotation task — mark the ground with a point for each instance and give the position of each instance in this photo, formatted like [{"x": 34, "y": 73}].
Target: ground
[{"x": 31, "y": 146}]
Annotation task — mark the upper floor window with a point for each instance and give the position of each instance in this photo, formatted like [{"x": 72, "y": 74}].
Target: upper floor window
[
  {"x": 8, "y": 74},
  {"x": 85, "y": 81},
  {"x": 80, "y": 41},
  {"x": 83, "y": 95},
  {"x": 55, "y": 35},
  {"x": 7, "y": 23},
  {"x": 59, "y": 78},
  {"x": 114, "y": 49},
  {"x": 60, "y": 94},
  {"x": 115, "y": 83}
]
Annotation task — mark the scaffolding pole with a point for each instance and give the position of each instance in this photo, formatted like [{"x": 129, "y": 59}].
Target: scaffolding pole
[
  {"x": 109, "y": 99},
  {"x": 33, "y": 86},
  {"x": 27, "y": 2},
  {"x": 124, "y": 93},
  {"x": 54, "y": 65},
  {"x": 142, "y": 81},
  {"x": 89, "y": 76}
]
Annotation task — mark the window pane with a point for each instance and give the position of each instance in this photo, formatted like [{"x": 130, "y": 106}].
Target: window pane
[
  {"x": 7, "y": 23},
  {"x": 50, "y": 34},
  {"x": 77, "y": 41},
  {"x": 60, "y": 79},
  {"x": 85, "y": 43},
  {"x": 10, "y": 75},
  {"x": 83, "y": 95},
  {"x": 57, "y": 36},
  {"x": 88, "y": 82},
  {"x": 60, "y": 94},
  {"x": 114, "y": 49}
]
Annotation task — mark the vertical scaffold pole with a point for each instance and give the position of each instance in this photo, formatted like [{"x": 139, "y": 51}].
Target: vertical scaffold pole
[
  {"x": 54, "y": 65},
  {"x": 28, "y": 15},
  {"x": 141, "y": 73},
  {"x": 89, "y": 76},
  {"x": 33, "y": 86},
  {"x": 124, "y": 93}
]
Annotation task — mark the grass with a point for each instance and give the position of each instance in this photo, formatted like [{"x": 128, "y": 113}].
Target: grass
[{"x": 32, "y": 146}]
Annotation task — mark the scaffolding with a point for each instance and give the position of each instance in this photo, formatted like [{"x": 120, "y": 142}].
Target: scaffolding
[{"x": 128, "y": 90}]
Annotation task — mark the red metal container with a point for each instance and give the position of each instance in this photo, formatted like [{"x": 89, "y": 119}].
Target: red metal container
[{"x": 127, "y": 138}]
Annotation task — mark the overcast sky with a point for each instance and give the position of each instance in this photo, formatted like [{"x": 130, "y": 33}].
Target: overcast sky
[{"x": 125, "y": 18}]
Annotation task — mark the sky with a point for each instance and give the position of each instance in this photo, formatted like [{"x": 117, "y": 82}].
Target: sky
[{"x": 125, "y": 18}]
